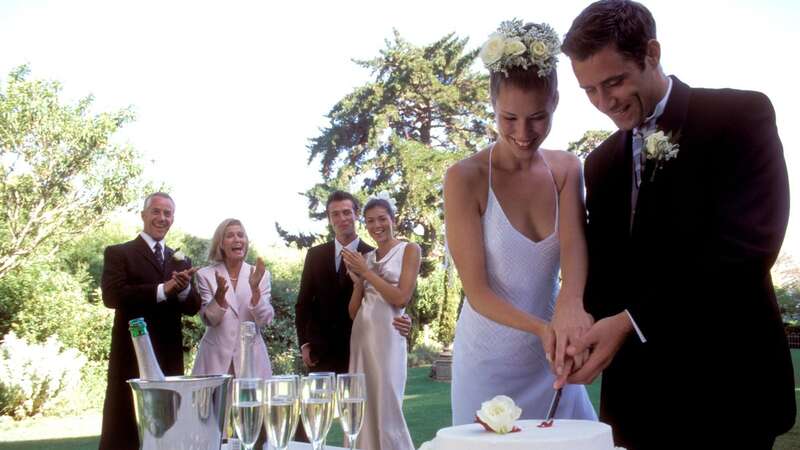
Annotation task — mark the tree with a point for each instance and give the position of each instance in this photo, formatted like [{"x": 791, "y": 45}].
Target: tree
[
  {"x": 588, "y": 142},
  {"x": 424, "y": 110},
  {"x": 60, "y": 174}
]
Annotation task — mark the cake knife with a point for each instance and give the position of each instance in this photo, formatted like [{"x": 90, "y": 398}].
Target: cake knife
[{"x": 551, "y": 413}]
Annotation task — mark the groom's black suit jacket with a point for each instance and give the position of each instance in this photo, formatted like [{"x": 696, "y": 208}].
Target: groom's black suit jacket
[
  {"x": 694, "y": 273},
  {"x": 321, "y": 315},
  {"x": 130, "y": 279}
]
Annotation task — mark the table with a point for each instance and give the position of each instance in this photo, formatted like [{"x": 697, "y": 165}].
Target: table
[{"x": 294, "y": 445}]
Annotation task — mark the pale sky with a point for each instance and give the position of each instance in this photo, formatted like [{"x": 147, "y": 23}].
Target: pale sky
[{"x": 228, "y": 93}]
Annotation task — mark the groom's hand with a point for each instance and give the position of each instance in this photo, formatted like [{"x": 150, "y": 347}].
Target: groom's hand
[
  {"x": 604, "y": 340},
  {"x": 570, "y": 322},
  {"x": 306, "y": 352},
  {"x": 402, "y": 324}
]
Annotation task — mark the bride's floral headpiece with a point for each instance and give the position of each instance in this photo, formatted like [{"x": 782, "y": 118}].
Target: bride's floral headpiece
[
  {"x": 383, "y": 195},
  {"x": 521, "y": 45}
]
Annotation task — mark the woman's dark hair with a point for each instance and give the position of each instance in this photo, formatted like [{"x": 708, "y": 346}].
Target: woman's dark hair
[
  {"x": 382, "y": 203},
  {"x": 625, "y": 24}
]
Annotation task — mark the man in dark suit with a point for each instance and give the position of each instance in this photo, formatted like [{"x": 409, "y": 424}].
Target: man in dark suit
[
  {"x": 143, "y": 278},
  {"x": 683, "y": 228}
]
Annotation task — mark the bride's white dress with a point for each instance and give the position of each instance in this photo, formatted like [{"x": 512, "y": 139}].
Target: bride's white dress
[
  {"x": 490, "y": 359},
  {"x": 379, "y": 351}
]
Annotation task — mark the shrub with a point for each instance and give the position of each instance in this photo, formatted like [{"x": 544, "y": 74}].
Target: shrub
[
  {"x": 50, "y": 302},
  {"x": 426, "y": 351},
  {"x": 36, "y": 378},
  {"x": 281, "y": 335}
]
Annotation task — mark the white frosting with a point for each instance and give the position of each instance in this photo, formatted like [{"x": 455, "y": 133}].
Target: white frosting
[{"x": 563, "y": 435}]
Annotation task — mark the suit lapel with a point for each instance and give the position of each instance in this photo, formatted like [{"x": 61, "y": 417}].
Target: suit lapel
[
  {"x": 674, "y": 115},
  {"x": 363, "y": 247},
  {"x": 147, "y": 253},
  {"x": 329, "y": 256},
  {"x": 620, "y": 174},
  {"x": 670, "y": 122},
  {"x": 169, "y": 263}
]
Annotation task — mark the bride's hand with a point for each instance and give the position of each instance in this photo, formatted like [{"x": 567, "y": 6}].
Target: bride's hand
[
  {"x": 356, "y": 279},
  {"x": 570, "y": 321},
  {"x": 356, "y": 263}
]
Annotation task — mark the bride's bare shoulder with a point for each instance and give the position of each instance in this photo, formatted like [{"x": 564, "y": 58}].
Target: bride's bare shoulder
[
  {"x": 469, "y": 170},
  {"x": 562, "y": 163}
]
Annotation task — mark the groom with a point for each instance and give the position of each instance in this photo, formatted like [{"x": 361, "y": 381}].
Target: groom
[{"x": 682, "y": 233}]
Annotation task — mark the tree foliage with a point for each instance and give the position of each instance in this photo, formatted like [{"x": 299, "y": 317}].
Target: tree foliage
[
  {"x": 588, "y": 142},
  {"x": 60, "y": 174},
  {"x": 424, "y": 109}
]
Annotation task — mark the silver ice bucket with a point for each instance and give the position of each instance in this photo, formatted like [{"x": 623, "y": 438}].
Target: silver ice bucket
[{"x": 181, "y": 413}]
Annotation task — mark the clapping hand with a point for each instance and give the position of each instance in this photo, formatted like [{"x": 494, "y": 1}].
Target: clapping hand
[
  {"x": 179, "y": 281},
  {"x": 256, "y": 274},
  {"x": 222, "y": 288}
]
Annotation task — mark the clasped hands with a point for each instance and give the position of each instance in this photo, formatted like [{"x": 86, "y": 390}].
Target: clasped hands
[
  {"x": 356, "y": 268},
  {"x": 577, "y": 348}
]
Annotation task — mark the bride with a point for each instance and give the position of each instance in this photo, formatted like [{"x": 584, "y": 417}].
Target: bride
[
  {"x": 514, "y": 215},
  {"x": 383, "y": 284}
]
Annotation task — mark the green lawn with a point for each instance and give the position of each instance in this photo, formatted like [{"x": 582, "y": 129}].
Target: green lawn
[{"x": 427, "y": 408}]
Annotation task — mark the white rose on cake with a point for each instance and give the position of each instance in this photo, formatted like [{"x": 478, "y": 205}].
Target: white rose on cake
[{"x": 499, "y": 414}]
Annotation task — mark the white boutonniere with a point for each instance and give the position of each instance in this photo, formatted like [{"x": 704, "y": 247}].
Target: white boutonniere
[
  {"x": 178, "y": 255},
  {"x": 660, "y": 147},
  {"x": 499, "y": 415}
]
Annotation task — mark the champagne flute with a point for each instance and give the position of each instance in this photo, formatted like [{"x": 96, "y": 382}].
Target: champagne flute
[
  {"x": 351, "y": 396},
  {"x": 316, "y": 407},
  {"x": 332, "y": 376},
  {"x": 282, "y": 409},
  {"x": 248, "y": 409}
]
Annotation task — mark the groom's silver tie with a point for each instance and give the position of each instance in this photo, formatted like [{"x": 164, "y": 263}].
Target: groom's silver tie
[{"x": 637, "y": 145}]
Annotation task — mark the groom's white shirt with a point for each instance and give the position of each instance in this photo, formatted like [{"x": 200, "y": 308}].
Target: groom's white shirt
[{"x": 647, "y": 127}]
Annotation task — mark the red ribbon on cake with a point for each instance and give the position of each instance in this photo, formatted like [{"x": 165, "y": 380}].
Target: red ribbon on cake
[{"x": 514, "y": 429}]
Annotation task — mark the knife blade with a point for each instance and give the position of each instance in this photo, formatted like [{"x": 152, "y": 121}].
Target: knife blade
[{"x": 551, "y": 413}]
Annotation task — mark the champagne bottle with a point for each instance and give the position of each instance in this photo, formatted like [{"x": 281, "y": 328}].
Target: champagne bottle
[
  {"x": 247, "y": 335},
  {"x": 145, "y": 357}
]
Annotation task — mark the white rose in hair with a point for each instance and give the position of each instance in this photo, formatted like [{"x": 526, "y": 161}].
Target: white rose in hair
[
  {"x": 383, "y": 195},
  {"x": 539, "y": 49},
  {"x": 514, "y": 47},
  {"x": 499, "y": 414},
  {"x": 493, "y": 49}
]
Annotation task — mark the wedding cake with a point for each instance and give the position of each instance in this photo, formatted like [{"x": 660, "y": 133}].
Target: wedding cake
[
  {"x": 562, "y": 435},
  {"x": 498, "y": 428}
]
